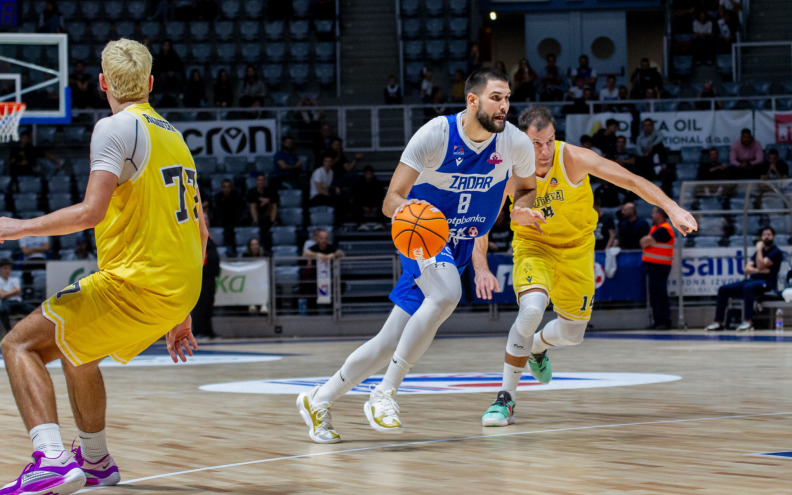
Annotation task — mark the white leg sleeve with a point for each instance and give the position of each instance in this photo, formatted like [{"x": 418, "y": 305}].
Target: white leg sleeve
[
  {"x": 532, "y": 308},
  {"x": 559, "y": 332}
]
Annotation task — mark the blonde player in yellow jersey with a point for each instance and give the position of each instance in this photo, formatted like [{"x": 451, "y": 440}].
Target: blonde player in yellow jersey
[
  {"x": 143, "y": 201},
  {"x": 555, "y": 259}
]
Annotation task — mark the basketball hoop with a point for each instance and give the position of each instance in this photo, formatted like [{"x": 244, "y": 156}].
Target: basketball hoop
[{"x": 10, "y": 114}]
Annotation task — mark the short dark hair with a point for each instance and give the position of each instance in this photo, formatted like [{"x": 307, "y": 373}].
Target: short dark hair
[
  {"x": 368, "y": 168},
  {"x": 745, "y": 130},
  {"x": 328, "y": 154},
  {"x": 771, "y": 229},
  {"x": 772, "y": 151},
  {"x": 611, "y": 77},
  {"x": 5, "y": 262},
  {"x": 284, "y": 138},
  {"x": 662, "y": 212},
  {"x": 261, "y": 174},
  {"x": 647, "y": 120},
  {"x": 585, "y": 138},
  {"x": 537, "y": 116},
  {"x": 477, "y": 81},
  {"x": 611, "y": 122}
]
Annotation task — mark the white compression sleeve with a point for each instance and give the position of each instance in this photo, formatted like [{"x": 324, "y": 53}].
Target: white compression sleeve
[{"x": 559, "y": 332}]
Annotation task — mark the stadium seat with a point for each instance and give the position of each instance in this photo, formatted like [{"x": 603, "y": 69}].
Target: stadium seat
[
  {"x": 235, "y": 165},
  {"x": 275, "y": 52},
  {"x": 126, "y": 29},
  {"x": 761, "y": 104},
  {"x": 683, "y": 64},
  {"x": 453, "y": 66},
  {"x": 458, "y": 27},
  {"x": 325, "y": 51},
  {"x": 60, "y": 185},
  {"x": 226, "y": 51},
  {"x": 201, "y": 52},
  {"x": 151, "y": 29},
  {"x": 206, "y": 165},
  {"x": 435, "y": 50},
  {"x": 114, "y": 10},
  {"x": 298, "y": 73},
  {"x": 250, "y": 30},
  {"x": 411, "y": 28},
  {"x": 325, "y": 74},
  {"x": 280, "y": 98},
  {"x": 263, "y": 164},
  {"x": 199, "y": 30},
  {"x": 136, "y": 9},
  {"x": 176, "y": 30},
  {"x": 244, "y": 234},
  {"x": 784, "y": 104},
  {"x": 324, "y": 27},
  {"x": 291, "y": 216},
  {"x": 217, "y": 235},
  {"x": 251, "y": 51},
  {"x": 433, "y": 7},
  {"x": 224, "y": 30},
  {"x": 284, "y": 236},
  {"x": 409, "y": 7},
  {"x": 90, "y": 9},
  {"x": 298, "y": 30},
  {"x": 273, "y": 30},
  {"x": 300, "y": 8},
  {"x": 272, "y": 73},
  {"x": 686, "y": 171},
  {"x": 181, "y": 50},
  {"x": 731, "y": 89},
  {"x": 68, "y": 9},
  {"x": 412, "y": 70},
  {"x": 26, "y": 202},
  {"x": 299, "y": 52},
  {"x": 253, "y": 8},
  {"x": 322, "y": 215},
  {"x": 230, "y": 8},
  {"x": 284, "y": 252},
  {"x": 289, "y": 198},
  {"x": 435, "y": 27},
  {"x": 691, "y": 154},
  {"x": 59, "y": 200},
  {"x": 458, "y": 7},
  {"x": 724, "y": 64},
  {"x": 673, "y": 90},
  {"x": 80, "y": 52},
  {"x": 76, "y": 32},
  {"x": 413, "y": 50},
  {"x": 458, "y": 49},
  {"x": 29, "y": 184},
  {"x": 761, "y": 87}
]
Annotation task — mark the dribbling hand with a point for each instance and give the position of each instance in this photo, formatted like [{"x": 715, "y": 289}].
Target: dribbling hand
[
  {"x": 404, "y": 205},
  {"x": 181, "y": 336}
]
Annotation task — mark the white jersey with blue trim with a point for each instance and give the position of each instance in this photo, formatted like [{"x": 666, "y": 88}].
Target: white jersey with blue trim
[{"x": 465, "y": 179}]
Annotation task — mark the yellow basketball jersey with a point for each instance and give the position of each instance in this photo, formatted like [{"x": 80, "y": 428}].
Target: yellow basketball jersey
[
  {"x": 150, "y": 236},
  {"x": 568, "y": 208}
]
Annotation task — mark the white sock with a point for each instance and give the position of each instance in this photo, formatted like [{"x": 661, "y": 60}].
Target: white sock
[
  {"x": 93, "y": 446},
  {"x": 397, "y": 370},
  {"x": 546, "y": 337},
  {"x": 47, "y": 438},
  {"x": 337, "y": 386},
  {"x": 511, "y": 378}
]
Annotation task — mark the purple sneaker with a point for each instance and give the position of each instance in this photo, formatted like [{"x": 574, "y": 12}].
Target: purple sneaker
[
  {"x": 101, "y": 473},
  {"x": 44, "y": 476}
]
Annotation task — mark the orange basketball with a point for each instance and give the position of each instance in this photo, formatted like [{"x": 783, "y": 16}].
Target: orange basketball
[{"x": 420, "y": 231}]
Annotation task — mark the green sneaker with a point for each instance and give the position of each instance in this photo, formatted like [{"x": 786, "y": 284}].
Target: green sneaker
[
  {"x": 501, "y": 412},
  {"x": 540, "y": 367}
]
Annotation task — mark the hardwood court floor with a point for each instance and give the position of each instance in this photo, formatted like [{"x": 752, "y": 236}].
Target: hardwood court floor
[{"x": 693, "y": 435}]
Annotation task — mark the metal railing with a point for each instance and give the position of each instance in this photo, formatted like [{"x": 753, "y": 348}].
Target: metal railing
[{"x": 737, "y": 55}]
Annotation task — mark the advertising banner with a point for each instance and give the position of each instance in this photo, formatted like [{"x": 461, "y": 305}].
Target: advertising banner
[
  {"x": 324, "y": 282},
  {"x": 579, "y": 124},
  {"x": 61, "y": 274},
  {"x": 704, "y": 129},
  {"x": 248, "y": 138},
  {"x": 243, "y": 283},
  {"x": 773, "y": 127}
]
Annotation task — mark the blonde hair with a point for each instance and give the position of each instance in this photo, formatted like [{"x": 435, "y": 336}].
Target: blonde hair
[{"x": 126, "y": 66}]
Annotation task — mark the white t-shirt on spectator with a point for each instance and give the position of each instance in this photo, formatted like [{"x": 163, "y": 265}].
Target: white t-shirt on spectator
[
  {"x": 32, "y": 242},
  {"x": 727, "y": 4},
  {"x": 699, "y": 28},
  {"x": 724, "y": 28},
  {"x": 576, "y": 92},
  {"x": 608, "y": 95},
  {"x": 9, "y": 285},
  {"x": 323, "y": 177}
]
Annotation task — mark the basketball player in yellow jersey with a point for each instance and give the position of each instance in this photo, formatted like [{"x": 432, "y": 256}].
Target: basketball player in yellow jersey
[
  {"x": 556, "y": 259},
  {"x": 143, "y": 202}
]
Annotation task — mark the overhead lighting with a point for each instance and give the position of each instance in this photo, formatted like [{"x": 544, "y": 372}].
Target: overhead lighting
[{"x": 493, "y": 16}]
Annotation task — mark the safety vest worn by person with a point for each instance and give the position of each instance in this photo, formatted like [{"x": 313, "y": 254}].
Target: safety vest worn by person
[{"x": 663, "y": 253}]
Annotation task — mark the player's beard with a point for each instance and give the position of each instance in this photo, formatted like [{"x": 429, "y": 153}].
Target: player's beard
[{"x": 489, "y": 123}]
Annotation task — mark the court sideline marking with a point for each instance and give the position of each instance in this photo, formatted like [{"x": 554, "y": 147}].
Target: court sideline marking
[{"x": 442, "y": 440}]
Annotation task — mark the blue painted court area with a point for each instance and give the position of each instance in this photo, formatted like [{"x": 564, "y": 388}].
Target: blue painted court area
[
  {"x": 717, "y": 337},
  {"x": 778, "y": 454}
]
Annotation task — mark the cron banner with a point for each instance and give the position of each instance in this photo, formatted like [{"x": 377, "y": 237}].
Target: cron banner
[
  {"x": 773, "y": 127},
  {"x": 248, "y": 138}
]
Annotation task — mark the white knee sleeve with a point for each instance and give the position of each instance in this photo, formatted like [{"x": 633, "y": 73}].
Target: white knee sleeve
[
  {"x": 532, "y": 308},
  {"x": 560, "y": 332},
  {"x": 517, "y": 345}
]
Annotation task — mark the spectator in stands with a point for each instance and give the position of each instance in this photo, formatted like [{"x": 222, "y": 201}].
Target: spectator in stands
[
  {"x": 323, "y": 250},
  {"x": 223, "y": 90},
  {"x": 392, "y": 92},
  {"x": 585, "y": 72},
  {"x": 713, "y": 168},
  {"x": 312, "y": 241},
  {"x": 51, "y": 20},
  {"x": 651, "y": 163},
  {"x": 254, "y": 249},
  {"x": 263, "y": 205},
  {"x": 252, "y": 89},
  {"x": 622, "y": 155},
  {"x": 683, "y": 13},
  {"x": 587, "y": 142},
  {"x": 34, "y": 248},
  {"x": 474, "y": 58},
  {"x": 458, "y": 87},
  {"x": 649, "y": 143},
  {"x": 367, "y": 196},
  {"x": 83, "y": 89},
  {"x": 650, "y": 94},
  {"x": 10, "y": 297},
  {"x": 195, "y": 92},
  {"x": 727, "y": 31},
  {"x": 658, "y": 255},
  {"x": 763, "y": 270},
  {"x": 774, "y": 167},
  {"x": 162, "y": 11},
  {"x": 623, "y": 107},
  {"x": 23, "y": 158},
  {"x": 309, "y": 118},
  {"x": 322, "y": 192},
  {"x": 703, "y": 40},
  {"x": 439, "y": 104},
  {"x": 607, "y": 195},
  {"x": 82, "y": 250},
  {"x": 551, "y": 84},
  {"x": 427, "y": 84},
  {"x": 229, "y": 208},
  {"x": 605, "y": 138},
  {"x": 631, "y": 228},
  {"x": 168, "y": 63},
  {"x": 643, "y": 78},
  {"x": 344, "y": 170},
  {"x": 730, "y": 6},
  {"x": 322, "y": 142},
  {"x": 524, "y": 88},
  {"x": 610, "y": 92},
  {"x": 288, "y": 166},
  {"x": 204, "y": 308},
  {"x": 747, "y": 156},
  {"x": 707, "y": 91},
  {"x": 575, "y": 92},
  {"x": 500, "y": 235},
  {"x": 605, "y": 233}
]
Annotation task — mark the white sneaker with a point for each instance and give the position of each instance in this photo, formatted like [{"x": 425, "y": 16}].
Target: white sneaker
[
  {"x": 383, "y": 412},
  {"x": 714, "y": 327},
  {"x": 317, "y": 417},
  {"x": 745, "y": 326}
]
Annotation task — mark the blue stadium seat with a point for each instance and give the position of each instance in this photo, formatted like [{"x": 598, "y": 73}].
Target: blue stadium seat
[
  {"x": 263, "y": 164},
  {"x": 59, "y": 200},
  {"x": 25, "y": 202},
  {"x": 230, "y": 8},
  {"x": 176, "y": 30},
  {"x": 251, "y": 51},
  {"x": 235, "y": 165},
  {"x": 136, "y": 9},
  {"x": 435, "y": 27},
  {"x": 199, "y": 30},
  {"x": 674, "y": 90},
  {"x": 224, "y": 30},
  {"x": 68, "y": 9},
  {"x": 784, "y": 104},
  {"x": 724, "y": 63},
  {"x": 244, "y": 234},
  {"x": 280, "y": 98},
  {"x": 126, "y": 29},
  {"x": 298, "y": 73},
  {"x": 275, "y": 52},
  {"x": 284, "y": 252},
  {"x": 458, "y": 49},
  {"x": 761, "y": 104},
  {"x": 226, "y": 51},
  {"x": 324, "y": 26},
  {"x": 300, "y": 8},
  {"x": 29, "y": 184},
  {"x": 435, "y": 50},
  {"x": 409, "y": 7},
  {"x": 291, "y": 216},
  {"x": 298, "y": 30},
  {"x": 274, "y": 30},
  {"x": 80, "y": 52},
  {"x": 114, "y": 10},
  {"x": 201, "y": 52},
  {"x": 76, "y": 31},
  {"x": 411, "y": 28},
  {"x": 253, "y": 8},
  {"x": 691, "y": 154},
  {"x": 433, "y": 7},
  {"x": 458, "y": 7},
  {"x": 299, "y": 52},
  {"x": 731, "y": 89},
  {"x": 90, "y": 9},
  {"x": 322, "y": 215},
  {"x": 272, "y": 73},
  {"x": 325, "y": 51},
  {"x": 250, "y": 30},
  {"x": 458, "y": 27},
  {"x": 683, "y": 64},
  {"x": 205, "y": 165},
  {"x": 284, "y": 236},
  {"x": 325, "y": 74},
  {"x": 217, "y": 235},
  {"x": 413, "y": 50},
  {"x": 59, "y": 185},
  {"x": 761, "y": 87},
  {"x": 412, "y": 71},
  {"x": 455, "y": 65},
  {"x": 290, "y": 198}
]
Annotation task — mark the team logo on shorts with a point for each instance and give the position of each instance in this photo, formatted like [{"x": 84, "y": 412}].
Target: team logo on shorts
[
  {"x": 553, "y": 182},
  {"x": 473, "y": 232},
  {"x": 447, "y": 383},
  {"x": 495, "y": 158}
]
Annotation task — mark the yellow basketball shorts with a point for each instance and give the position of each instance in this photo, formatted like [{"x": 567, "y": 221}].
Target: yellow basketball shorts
[
  {"x": 102, "y": 315},
  {"x": 565, "y": 272}
]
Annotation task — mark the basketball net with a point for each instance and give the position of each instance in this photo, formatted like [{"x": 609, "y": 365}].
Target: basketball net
[{"x": 10, "y": 115}]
